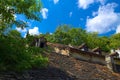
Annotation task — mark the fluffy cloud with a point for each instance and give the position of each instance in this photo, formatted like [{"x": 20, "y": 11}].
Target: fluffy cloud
[
  {"x": 70, "y": 14},
  {"x": 34, "y": 31},
  {"x": 55, "y": 1},
  {"x": 85, "y": 3},
  {"x": 51, "y": 33},
  {"x": 105, "y": 20},
  {"x": 44, "y": 12},
  {"x": 118, "y": 29},
  {"x": 25, "y": 35},
  {"x": 21, "y": 30}
]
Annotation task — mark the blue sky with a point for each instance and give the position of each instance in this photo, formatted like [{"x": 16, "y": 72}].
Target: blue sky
[{"x": 102, "y": 16}]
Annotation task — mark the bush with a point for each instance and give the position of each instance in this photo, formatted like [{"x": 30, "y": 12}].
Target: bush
[
  {"x": 14, "y": 55},
  {"x": 34, "y": 50},
  {"x": 39, "y": 62}
]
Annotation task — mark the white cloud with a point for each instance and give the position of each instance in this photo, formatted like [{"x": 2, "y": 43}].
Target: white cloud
[
  {"x": 21, "y": 30},
  {"x": 106, "y": 20},
  {"x": 70, "y": 14},
  {"x": 34, "y": 31},
  {"x": 25, "y": 35},
  {"x": 84, "y": 4},
  {"x": 51, "y": 33},
  {"x": 44, "y": 12},
  {"x": 118, "y": 29},
  {"x": 55, "y": 1}
]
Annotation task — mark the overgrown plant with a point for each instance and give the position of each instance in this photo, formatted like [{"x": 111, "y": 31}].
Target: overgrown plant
[{"x": 14, "y": 55}]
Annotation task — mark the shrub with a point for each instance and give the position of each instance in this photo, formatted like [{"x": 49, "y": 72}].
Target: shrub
[
  {"x": 14, "y": 55},
  {"x": 39, "y": 61}
]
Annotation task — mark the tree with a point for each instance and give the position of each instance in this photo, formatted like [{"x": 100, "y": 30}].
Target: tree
[
  {"x": 78, "y": 36},
  {"x": 115, "y": 41},
  {"x": 9, "y": 8},
  {"x": 14, "y": 34},
  {"x": 65, "y": 34},
  {"x": 104, "y": 43},
  {"x": 93, "y": 40},
  {"x": 61, "y": 35},
  {"x": 49, "y": 37}
]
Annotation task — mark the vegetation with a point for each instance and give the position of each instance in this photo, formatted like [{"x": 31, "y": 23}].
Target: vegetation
[
  {"x": 15, "y": 54},
  {"x": 11, "y": 8},
  {"x": 66, "y": 34}
]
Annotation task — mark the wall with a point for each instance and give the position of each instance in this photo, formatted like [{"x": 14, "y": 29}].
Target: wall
[
  {"x": 113, "y": 63},
  {"x": 87, "y": 56}
]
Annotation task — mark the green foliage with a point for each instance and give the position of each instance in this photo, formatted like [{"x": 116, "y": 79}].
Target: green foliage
[
  {"x": 78, "y": 36},
  {"x": 66, "y": 34},
  {"x": 93, "y": 40},
  {"x": 34, "y": 50},
  {"x": 61, "y": 37},
  {"x": 29, "y": 8},
  {"x": 14, "y": 34},
  {"x": 14, "y": 55},
  {"x": 14, "y": 52},
  {"x": 115, "y": 41},
  {"x": 39, "y": 61},
  {"x": 49, "y": 37}
]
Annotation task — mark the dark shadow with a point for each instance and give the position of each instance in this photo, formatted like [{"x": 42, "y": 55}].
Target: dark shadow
[
  {"x": 49, "y": 73},
  {"x": 117, "y": 68}
]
